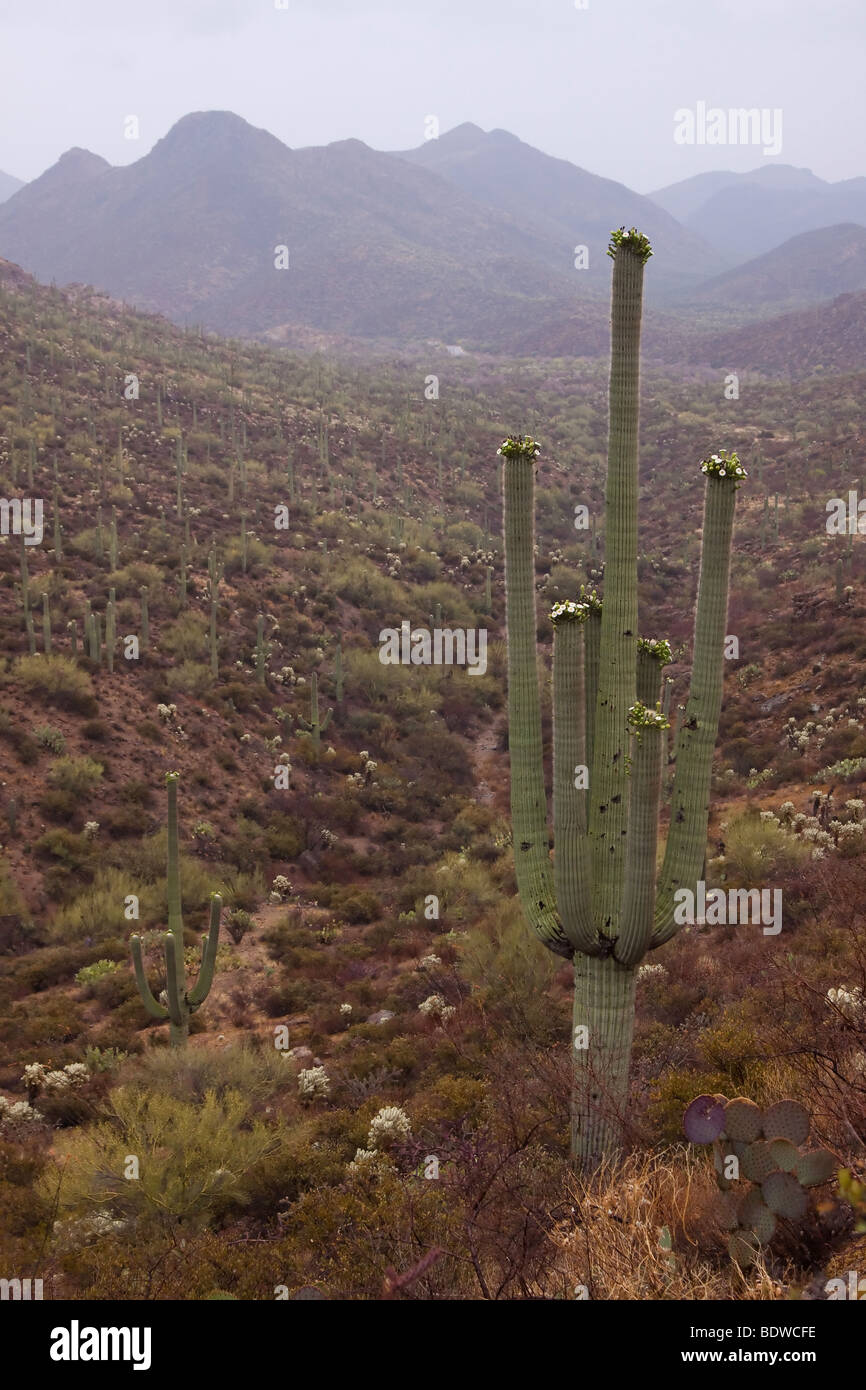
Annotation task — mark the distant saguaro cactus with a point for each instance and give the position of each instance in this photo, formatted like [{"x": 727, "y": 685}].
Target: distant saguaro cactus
[
  {"x": 314, "y": 725},
  {"x": 600, "y": 904},
  {"x": 180, "y": 1002}
]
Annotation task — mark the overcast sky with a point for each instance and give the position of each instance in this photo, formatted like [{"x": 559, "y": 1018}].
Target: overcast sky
[{"x": 598, "y": 86}]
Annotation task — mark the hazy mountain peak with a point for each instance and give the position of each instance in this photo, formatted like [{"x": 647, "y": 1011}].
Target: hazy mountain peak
[
  {"x": 465, "y": 136},
  {"x": 212, "y": 132},
  {"x": 80, "y": 161}
]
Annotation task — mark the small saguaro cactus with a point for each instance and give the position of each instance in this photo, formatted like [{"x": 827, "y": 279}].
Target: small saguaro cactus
[
  {"x": 600, "y": 903},
  {"x": 58, "y": 530},
  {"x": 762, "y": 1168},
  {"x": 145, "y": 619},
  {"x": 180, "y": 1003},
  {"x": 338, "y": 670},
  {"x": 110, "y": 629},
  {"x": 261, "y": 651},
  {"x": 46, "y": 623},
  {"x": 314, "y": 725}
]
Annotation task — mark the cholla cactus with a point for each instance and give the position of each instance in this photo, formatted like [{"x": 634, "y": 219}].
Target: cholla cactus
[
  {"x": 314, "y": 1084},
  {"x": 36, "y": 1078},
  {"x": 601, "y": 904},
  {"x": 281, "y": 889},
  {"x": 435, "y": 1007},
  {"x": 178, "y": 1003},
  {"x": 18, "y": 1119},
  {"x": 390, "y": 1124}
]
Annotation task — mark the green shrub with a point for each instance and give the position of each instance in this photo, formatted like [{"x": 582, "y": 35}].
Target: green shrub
[
  {"x": 77, "y": 776},
  {"x": 510, "y": 974},
  {"x": 88, "y": 974},
  {"x": 56, "y": 680},
  {"x": 758, "y": 852},
  {"x": 194, "y": 1160},
  {"x": 49, "y": 737},
  {"x": 355, "y": 905}
]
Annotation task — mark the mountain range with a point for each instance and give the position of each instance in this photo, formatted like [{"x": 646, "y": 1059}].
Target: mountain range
[
  {"x": 745, "y": 215},
  {"x": 470, "y": 238}
]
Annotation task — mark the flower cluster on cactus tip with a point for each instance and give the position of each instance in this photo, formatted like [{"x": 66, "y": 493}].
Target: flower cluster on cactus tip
[
  {"x": 657, "y": 647},
  {"x": 632, "y": 240},
  {"x": 568, "y": 611},
  {"x": 724, "y": 465},
  {"x": 516, "y": 446},
  {"x": 641, "y": 717}
]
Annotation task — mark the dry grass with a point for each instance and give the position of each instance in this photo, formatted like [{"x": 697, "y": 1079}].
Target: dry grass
[{"x": 612, "y": 1246}]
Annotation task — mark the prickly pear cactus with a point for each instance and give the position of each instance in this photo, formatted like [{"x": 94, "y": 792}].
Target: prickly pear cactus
[{"x": 764, "y": 1148}]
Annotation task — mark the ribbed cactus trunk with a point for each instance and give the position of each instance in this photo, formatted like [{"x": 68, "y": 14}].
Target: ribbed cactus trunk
[
  {"x": 599, "y": 902},
  {"x": 178, "y": 1031},
  {"x": 604, "y": 994},
  {"x": 617, "y": 679}
]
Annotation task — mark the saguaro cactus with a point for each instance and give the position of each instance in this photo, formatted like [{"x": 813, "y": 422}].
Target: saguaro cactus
[
  {"x": 261, "y": 651},
  {"x": 338, "y": 670},
  {"x": 600, "y": 903},
  {"x": 180, "y": 1002},
  {"x": 314, "y": 725}
]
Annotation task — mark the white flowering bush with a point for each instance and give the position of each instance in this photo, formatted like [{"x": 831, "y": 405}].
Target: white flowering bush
[
  {"x": 831, "y": 828},
  {"x": 389, "y": 1125},
  {"x": 847, "y": 1004},
  {"x": 18, "y": 1119},
  {"x": 653, "y": 970},
  {"x": 314, "y": 1084},
  {"x": 72, "y": 1234},
  {"x": 281, "y": 889},
  {"x": 429, "y": 962},
  {"x": 345, "y": 1010},
  {"x": 36, "y": 1078},
  {"x": 435, "y": 1007}
]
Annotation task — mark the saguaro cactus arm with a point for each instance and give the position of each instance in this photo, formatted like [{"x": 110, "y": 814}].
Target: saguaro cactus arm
[
  {"x": 150, "y": 1002},
  {"x": 592, "y": 658},
  {"x": 649, "y": 731},
  {"x": 528, "y": 797},
  {"x": 652, "y": 656},
  {"x": 686, "y": 845},
  {"x": 210, "y": 945},
  {"x": 571, "y": 860},
  {"x": 174, "y": 979}
]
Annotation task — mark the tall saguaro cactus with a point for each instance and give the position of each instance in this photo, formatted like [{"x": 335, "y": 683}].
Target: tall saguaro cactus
[
  {"x": 180, "y": 1002},
  {"x": 600, "y": 902}
]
